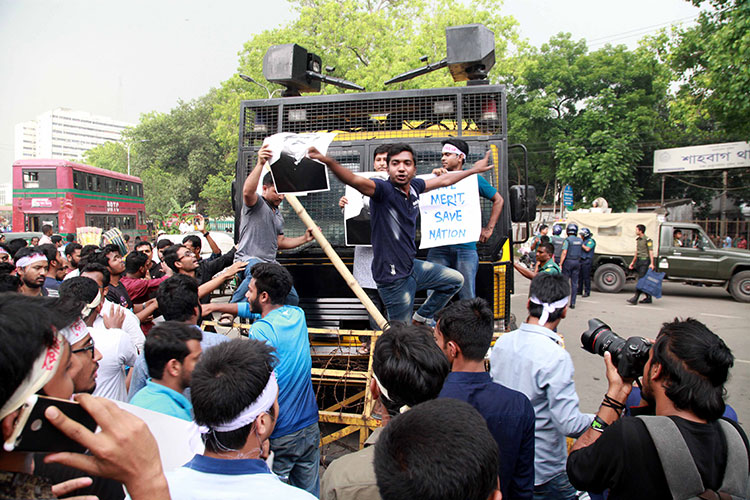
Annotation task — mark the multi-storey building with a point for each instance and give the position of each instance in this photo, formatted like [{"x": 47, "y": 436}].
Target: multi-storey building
[{"x": 65, "y": 134}]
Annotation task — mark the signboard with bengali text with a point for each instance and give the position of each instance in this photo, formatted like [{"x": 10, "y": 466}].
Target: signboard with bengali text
[{"x": 708, "y": 157}]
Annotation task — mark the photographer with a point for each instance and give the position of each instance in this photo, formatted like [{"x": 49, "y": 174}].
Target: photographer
[{"x": 683, "y": 382}]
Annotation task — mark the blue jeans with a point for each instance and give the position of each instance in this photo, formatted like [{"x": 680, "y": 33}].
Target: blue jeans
[
  {"x": 296, "y": 458},
  {"x": 463, "y": 260},
  {"x": 572, "y": 270},
  {"x": 398, "y": 296},
  {"x": 240, "y": 293},
  {"x": 557, "y": 488}
]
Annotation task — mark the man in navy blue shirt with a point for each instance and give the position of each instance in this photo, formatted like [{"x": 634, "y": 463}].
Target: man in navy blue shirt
[
  {"x": 394, "y": 207},
  {"x": 464, "y": 333}
]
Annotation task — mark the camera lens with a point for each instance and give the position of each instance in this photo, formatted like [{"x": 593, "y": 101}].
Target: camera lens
[{"x": 599, "y": 338}]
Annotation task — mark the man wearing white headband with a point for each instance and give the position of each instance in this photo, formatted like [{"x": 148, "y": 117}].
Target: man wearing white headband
[
  {"x": 463, "y": 257},
  {"x": 234, "y": 392},
  {"x": 532, "y": 360},
  {"x": 31, "y": 268}
]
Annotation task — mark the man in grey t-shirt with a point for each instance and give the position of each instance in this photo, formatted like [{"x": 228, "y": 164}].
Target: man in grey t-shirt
[{"x": 262, "y": 226}]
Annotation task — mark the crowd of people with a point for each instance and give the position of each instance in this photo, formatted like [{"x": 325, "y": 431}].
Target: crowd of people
[{"x": 121, "y": 335}]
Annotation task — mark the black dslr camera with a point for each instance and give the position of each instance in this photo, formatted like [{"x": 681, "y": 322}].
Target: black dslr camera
[{"x": 629, "y": 356}]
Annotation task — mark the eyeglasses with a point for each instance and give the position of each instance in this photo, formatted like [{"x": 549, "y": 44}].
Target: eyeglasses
[
  {"x": 187, "y": 254},
  {"x": 88, "y": 347}
]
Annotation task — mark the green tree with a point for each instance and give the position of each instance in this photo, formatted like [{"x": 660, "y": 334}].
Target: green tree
[
  {"x": 711, "y": 59},
  {"x": 110, "y": 155},
  {"x": 217, "y": 195},
  {"x": 176, "y": 152},
  {"x": 590, "y": 118},
  {"x": 367, "y": 42}
]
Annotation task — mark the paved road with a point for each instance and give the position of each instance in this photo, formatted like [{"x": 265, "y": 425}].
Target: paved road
[{"x": 711, "y": 305}]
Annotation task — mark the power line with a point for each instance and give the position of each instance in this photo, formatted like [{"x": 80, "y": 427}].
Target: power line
[{"x": 595, "y": 42}]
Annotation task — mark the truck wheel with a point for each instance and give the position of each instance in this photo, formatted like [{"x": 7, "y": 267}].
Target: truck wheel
[
  {"x": 739, "y": 286},
  {"x": 609, "y": 278}
]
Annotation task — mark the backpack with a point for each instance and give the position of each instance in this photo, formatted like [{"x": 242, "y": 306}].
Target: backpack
[{"x": 682, "y": 475}]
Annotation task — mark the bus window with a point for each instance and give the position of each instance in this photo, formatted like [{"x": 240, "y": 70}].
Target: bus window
[
  {"x": 77, "y": 180},
  {"x": 40, "y": 179},
  {"x": 127, "y": 188},
  {"x": 30, "y": 179},
  {"x": 89, "y": 182}
]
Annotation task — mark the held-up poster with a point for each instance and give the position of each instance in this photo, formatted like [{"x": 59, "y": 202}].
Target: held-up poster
[
  {"x": 450, "y": 215},
  {"x": 292, "y": 171},
  {"x": 357, "y": 230}
]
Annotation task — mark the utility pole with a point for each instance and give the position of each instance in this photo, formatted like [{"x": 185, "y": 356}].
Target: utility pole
[{"x": 723, "y": 203}]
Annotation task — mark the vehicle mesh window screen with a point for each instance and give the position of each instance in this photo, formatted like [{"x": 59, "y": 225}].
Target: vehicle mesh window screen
[{"x": 412, "y": 114}]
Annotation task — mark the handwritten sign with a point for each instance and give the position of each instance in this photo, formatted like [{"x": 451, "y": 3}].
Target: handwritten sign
[
  {"x": 708, "y": 157},
  {"x": 450, "y": 215},
  {"x": 357, "y": 229}
]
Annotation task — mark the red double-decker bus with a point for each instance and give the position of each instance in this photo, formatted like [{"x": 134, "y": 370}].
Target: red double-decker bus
[{"x": 68, "y": 195}]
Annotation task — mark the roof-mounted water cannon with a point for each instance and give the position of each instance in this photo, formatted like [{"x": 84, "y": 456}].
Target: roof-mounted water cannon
[
  {"x": 298, "y": 70},
  {"x": 470, "y": 55}
]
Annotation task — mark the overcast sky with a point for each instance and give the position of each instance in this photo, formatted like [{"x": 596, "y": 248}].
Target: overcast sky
[{"x": 124, "y": 58}]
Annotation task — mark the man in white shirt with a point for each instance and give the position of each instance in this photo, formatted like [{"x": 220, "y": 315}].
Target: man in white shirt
[
  {"x": 109, "y": 317},
  {"x": 232, "y": 375}
]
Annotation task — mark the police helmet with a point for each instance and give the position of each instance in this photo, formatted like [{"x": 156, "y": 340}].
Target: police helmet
[
  {"x": 585, "y": 233},
  {"x": 557, "y": 229},
  {"x": 572, "y": 228}
]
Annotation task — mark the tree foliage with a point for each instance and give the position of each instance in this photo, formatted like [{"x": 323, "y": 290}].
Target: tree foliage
[
  {"x": 110, "y": 155},
  {"x": 589, "y": 117}
]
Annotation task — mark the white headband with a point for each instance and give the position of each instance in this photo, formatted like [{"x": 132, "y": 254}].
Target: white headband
[
  {"x": 262, "y": 404},
  {"x": 450, "y": 148},
  {"x": 42, "y": 371},
  {"x": 93, "y": 305},
  {"x": 384, "y": 392},
  {"x": 30, "y": 259},
  {"x": 548, "y": 308},
  {"x": 2, "y": 250},
  {"x": 75, "y": 332}
]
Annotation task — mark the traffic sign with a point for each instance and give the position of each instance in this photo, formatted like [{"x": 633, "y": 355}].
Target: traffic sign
[{"x": 568, "y": 195}]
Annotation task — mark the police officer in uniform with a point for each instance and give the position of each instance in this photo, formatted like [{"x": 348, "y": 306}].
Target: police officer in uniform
[
  {"x": 570, "y": 260},
  {"x": 587, "y": 257},
  {"x": 643, "y": 260},
  {"x": 557, "y": 241}
]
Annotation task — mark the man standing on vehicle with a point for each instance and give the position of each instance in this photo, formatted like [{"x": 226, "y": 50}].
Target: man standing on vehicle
[
  {"x": 570, "y": 260},
  {"x": 394, "y": 205},
  {"x": 684, "y": 449},
  {"x": 587, "y": 258},
  {"x": 463, "y": 257},
  {"x": 643, "y": 260},
  {"x": 262, "y": 226}
]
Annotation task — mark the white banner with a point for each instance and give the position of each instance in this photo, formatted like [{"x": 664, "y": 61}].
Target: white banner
[
  {"x": 708, "y": 157},
  {"x": 450, "y": 215}
]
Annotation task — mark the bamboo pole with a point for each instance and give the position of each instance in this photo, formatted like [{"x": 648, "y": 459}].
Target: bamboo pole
[{"x": 336, "y": 260}]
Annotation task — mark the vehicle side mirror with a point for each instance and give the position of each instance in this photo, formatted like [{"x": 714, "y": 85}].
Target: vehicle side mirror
[{"x": 522, "y": 203}]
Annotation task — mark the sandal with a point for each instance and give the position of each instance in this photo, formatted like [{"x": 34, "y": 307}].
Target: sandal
[{"x": 226, "y": 319}]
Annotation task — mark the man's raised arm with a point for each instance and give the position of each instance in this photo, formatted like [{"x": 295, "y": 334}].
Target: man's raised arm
[
  {"x": 453, "y": 177},
  {"x": 361, "y": 184},
  {"x": 249, "y": 194}
]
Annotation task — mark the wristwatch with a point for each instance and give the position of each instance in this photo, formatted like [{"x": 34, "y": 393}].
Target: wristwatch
[{"x": 206, "y": 233}]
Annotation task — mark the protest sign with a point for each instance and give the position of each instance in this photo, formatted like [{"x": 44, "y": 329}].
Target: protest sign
[
  {"x": 357, "y": 230},
  {"x": 450, "y": 215},
  {"x": 292, "y": 171}
]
